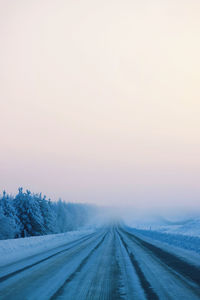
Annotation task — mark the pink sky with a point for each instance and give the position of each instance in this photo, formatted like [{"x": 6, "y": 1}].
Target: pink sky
[{"x": 100, "y": 100}]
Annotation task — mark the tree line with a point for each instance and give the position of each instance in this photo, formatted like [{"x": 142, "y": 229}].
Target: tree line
[{"x": 30, "y": 214}]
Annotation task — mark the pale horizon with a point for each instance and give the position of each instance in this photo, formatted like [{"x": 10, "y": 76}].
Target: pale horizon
[{"x": 100, "y": 101}]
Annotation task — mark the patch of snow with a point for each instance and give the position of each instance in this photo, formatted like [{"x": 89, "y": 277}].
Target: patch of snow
[{"x": 13, "y": 250}]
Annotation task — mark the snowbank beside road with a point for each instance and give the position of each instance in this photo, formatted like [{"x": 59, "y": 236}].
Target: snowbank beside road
[
  {"x": 177, "y": 245},
  {"x": 15, "y": 249}
]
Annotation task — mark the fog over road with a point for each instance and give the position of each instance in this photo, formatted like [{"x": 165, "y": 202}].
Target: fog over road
[{"x": 111, "y": 263}]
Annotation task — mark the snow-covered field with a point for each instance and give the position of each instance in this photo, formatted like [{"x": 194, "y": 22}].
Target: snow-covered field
[{"x": 188, "y": 226}]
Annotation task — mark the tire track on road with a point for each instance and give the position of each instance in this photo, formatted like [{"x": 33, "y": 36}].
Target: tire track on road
[
  {"x": 148, "y": 289},
  {"x": 78, "y": 269},
  {"x": 97, "y": 277},
  {"x": 189, "y": 271},
  {"x": 159, "y": 273}
]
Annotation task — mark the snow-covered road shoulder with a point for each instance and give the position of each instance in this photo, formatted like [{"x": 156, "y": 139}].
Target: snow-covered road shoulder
[
  {"x": 13, "y": 250},
  {"x": 190, "y": 256}
]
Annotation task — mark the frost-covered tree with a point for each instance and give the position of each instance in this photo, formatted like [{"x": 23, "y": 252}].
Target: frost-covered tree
[
  {"x": 9, "y": 222},
  {"x": 62, "y": 217},
  {"x": 49, "y": 215},
  {"x": 7, "y": 226},
  {"x": 29, "y": 214}
]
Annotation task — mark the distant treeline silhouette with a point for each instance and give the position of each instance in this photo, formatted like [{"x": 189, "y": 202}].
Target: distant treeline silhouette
[{"x": 29, "y": 214}]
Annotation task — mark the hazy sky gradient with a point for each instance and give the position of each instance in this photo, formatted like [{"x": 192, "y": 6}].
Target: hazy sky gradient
[{"x": 100, "y": 100}]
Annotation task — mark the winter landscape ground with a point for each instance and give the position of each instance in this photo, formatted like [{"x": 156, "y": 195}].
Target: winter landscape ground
[{"x": 111, "y": 262}]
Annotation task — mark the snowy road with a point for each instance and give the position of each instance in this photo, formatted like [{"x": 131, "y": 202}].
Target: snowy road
[{"x": 110, "y": 263}]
